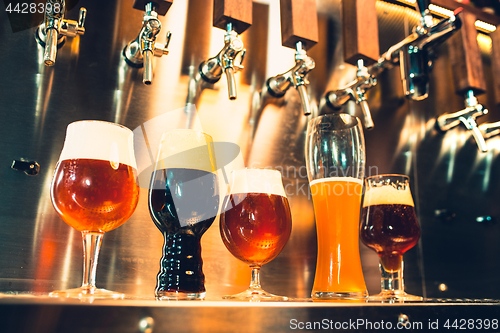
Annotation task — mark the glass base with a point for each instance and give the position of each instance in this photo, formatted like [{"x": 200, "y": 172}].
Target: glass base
[
  {"x": 255, "y": 295},
  {"x": 395, "y": 296},
  {"x": 87, "y": 292},
  {"x": 179, "y": 296},
  {"x": 333, "y": 296}
]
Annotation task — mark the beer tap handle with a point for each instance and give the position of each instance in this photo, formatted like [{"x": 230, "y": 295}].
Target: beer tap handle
[
  {"x": 299, "y": 23},
  {"x": 360, "y": 32},
  {"x": 236, "y": 12}
]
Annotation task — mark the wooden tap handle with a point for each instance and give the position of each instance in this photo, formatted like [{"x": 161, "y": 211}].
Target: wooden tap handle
[
  {"x": 236, "y": 12},
  {"x": 495, "y": 62},
  {"x": 360, "y": 31},
  {"x": 299, "y": 23},
  {"x": 465, "y": 58},
  {"x": 162, "y": 6}
]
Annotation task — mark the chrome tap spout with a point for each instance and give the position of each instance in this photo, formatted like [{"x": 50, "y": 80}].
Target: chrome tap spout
[
  {"x": 54, "y": 29},
  {"x": 296, "y": 77},
  {"x": 225, "y": 62},
  {"x": 140, "y": 51},
  {"x": 467, "y": 117},
  {"x": 355, "y": 91},
  {"x": 412, "y": 53}
]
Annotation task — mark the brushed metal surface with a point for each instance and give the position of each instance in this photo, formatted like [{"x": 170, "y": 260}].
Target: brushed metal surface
[{"x": 90, "y": 80}]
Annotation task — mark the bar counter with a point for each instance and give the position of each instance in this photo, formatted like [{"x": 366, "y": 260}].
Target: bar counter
[{"x": 29, "y": 313}]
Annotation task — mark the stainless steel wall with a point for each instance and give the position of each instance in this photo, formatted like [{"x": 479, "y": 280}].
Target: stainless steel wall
[{"x": 453, "y": 184}]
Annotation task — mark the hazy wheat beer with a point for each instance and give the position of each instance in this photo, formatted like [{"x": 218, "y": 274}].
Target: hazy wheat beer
[
  {"x": 337, "y": 202},
  {"x": 390, "y": 224}
]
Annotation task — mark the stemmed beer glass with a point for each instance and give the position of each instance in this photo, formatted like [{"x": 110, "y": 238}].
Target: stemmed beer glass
[
  {"x": 183, "y": 203},
  {"x": 335, "y": 160},
  {"x": 389, "y": 226},
  {"x": 255, "y": 224},
  {"x": 94, "y": 190}
]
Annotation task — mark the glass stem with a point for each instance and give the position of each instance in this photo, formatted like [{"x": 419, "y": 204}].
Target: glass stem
[
  {"x": 392, "y": 282},
  {"x": 91, "y": 246},
  {"x": 255, "y": 281}
]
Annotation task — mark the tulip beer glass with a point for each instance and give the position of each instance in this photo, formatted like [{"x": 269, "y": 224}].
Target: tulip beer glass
[
  {"x": 389, "y": 226},
  {"x": 255, "y": 224},
  {"x": 183, "y": 203},
  {"x": 335, "y": 160},
  {"x": 94, "y": 190}
]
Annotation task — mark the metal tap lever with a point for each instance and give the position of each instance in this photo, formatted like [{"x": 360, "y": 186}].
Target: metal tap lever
[
  {"x": 468, "y": 117},
  {"x": 355, "y": 91},
  {"x": 296, "y": 76},
  {"x": 413, "y": 52},
  {"x": 489, "y": 130},
  {"x": 225, "y": 61},
  {"x": 140, "y": 52},
  {"x": 52, "y": 33}
]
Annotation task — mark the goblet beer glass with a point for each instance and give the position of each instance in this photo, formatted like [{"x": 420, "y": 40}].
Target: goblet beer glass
[
  {"x": 183, "y": 203},
  {"x": 255, "y": 224},
  {"x": 94, "y": 190},
  {"x": 335, "y": 160},
  {"x": 389, "y": 226}
]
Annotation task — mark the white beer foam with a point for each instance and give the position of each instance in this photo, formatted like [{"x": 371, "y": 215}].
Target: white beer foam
[
  {"x": 257, "y": 181},
  {"x": 387, "y": 195},
  {"x": 187, "y": 149},
  {"x": 337, "y": 179},
  {"x": 99, "y": 140}
]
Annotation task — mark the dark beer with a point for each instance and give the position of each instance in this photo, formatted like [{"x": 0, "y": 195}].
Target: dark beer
[
  {"x": 391, "y": 230},
  {"x": 94, "y": 195},
  {"x": 255, "y": 226},
  {"x": 183, "y": 204}
]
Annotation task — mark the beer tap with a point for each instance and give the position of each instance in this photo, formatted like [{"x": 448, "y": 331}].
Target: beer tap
[
  {"x": 469, "y": 80},
  {"x": 360, "y": 48},
  {"x": 52, "y": 33},
  {"x": 295, "y": 34},
  {"x": 224, "y": 62},
  {"x": 140, "y": 51},
  {"x": 467, "y": 117},
  {"x": 413, "y": 52},
  {"x": 296, "y": 77}
]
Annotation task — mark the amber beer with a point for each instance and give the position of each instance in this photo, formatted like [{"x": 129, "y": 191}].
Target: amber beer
[
  {"x": 94, "y": 195},
  {"x": 337, "y": 202},
  {"x": 391, "y": 226},
  {"x": 257, "y": 227}
]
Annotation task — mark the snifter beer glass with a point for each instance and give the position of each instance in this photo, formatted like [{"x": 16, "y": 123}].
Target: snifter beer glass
[
  {"x": 389, "y": 226},
  {"x": 255, "y": 224},
  {"x": 335, "y": 160},
  {"x": 183, "y": 203},
  {"x": 94, "y": 190}
]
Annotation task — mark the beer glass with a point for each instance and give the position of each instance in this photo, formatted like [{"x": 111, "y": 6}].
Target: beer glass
[
  {"x": 183, "y": 203},
  {"x": 94, "y": 190},
  {"x": 335, "y": 160},
  {"x": 255, "y": 224},
  {"x": 389, "y": 226}
]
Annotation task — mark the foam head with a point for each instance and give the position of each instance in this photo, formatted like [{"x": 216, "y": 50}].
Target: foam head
[
  {"x": 186, "y": 149},
  {"x": 100, "y": 140},
  {"x": 387, "y": 195},
  {"x": 265, "y": 181}
]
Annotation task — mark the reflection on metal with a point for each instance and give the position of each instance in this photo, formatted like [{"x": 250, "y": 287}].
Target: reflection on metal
[{"x": 52, "y": 33}]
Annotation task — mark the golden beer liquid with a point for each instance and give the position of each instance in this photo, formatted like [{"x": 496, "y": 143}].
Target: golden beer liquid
[{"x": 337, "y": 203}]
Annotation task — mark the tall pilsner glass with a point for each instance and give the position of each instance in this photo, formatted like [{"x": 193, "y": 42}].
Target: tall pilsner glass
[
  {"x": 94, "y": 190},
  {"x": 390, "y": 227},
  {"x": 335, "y": 159},
  {"x": 183, "y": 202}
]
